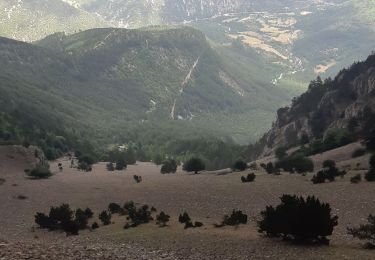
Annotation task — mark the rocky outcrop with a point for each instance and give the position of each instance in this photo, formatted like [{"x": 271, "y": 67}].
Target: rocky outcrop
[{"x": 348, "y": 99}]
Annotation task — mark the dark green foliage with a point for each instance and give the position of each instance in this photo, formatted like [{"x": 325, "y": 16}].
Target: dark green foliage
[
  {"x": 61, "y": 218},
  {"x": 137, "y": 216},
  {"x": 358, "y": 153},
  {"x": 94, "y": 226},
  {"x": 235, "y": 219},
  {"x": 87, "y": 159},
  {"x": 41, "y": 171},
  {"x": 84, "y": 166},
  {"x": 198, "y": 224},
  {"x": 105, "y": 217},
  {"x": 81, "y": 218},
  {"x": 185, "y": 219},
  {"x": 110, "y": 167},
  {"x": 239, "y": 165},
  {"x": 89, "y": 213},
  {"x": 194, "y": 164},
  {"x": 114, "y": 208},
  {"x": 138, "y": 179},
  {"x": 281, "y": 153},
  {"x": 298, "y": 219},
  {"x": 329, "y": 172},
  {"x": 370, "y": 175},
  {"x": 162, "y": 219},
  {"x": 365, "y": 232},
  {"x": 169, "y": 166},
  {"x": 329, "y": 164},
  {"x": 298, "y": 163},
  {"x": 121, "y": 164},
  {"x": 356, "y": 179},
  {"x": 249, "y": 178}
]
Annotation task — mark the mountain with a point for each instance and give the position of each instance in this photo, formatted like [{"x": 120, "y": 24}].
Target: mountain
[
  {"x": 30, "y": 20},
  {"x": 153, "y": 87},
  {"x": 346, "y": 102},
  {"x": 300, "y": 39}
]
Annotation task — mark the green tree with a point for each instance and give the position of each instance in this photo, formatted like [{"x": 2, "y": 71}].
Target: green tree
[
  {"x": 169, "y": 166},
  {"x": 194, "y": 164}
]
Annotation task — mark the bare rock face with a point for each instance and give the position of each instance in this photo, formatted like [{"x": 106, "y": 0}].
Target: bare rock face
[{"x": 326, "y": 105}]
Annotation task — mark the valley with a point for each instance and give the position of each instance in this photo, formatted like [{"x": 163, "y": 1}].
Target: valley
[{"x": 172, "y": 193}]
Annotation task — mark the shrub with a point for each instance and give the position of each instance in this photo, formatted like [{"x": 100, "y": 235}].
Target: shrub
[
  {"x": 81, "y": 218},
  {"x": 358, "y": 153},
  {"x": 198, "y": 224},
  {"x": 185, "y": 219},
  {"x": 236, "y": 218},
  {"x": 356, "y": 179},
  {"x": 162, "y": 219},
  {"x": 169, "y": 166},
  {"x": 194, "y": 165},
  {"x": 327, "y": 174},
  {"x": 110, "y": 167},
  {"x": 62, "y": 218},
  {"x": 297, "y": 163},
  {"x": 121, "y": 164},
  {"x": 41, "y": 171},
  {"x": 370, "y": 175},
  {"x": 137, "y": 178},
  {"x": 84, "y": 166},
  {"x": 114, "y": 208},
  {"x": 138, "y": 216},
  {"x": 94, "y": 226},
  {"x": 318, "y": 178},
  {"x": 298, "y": 219},
  {"x": 105, "y": 217},
  {"x": 329, "y": 164},
  {"x": 89, "y": 213},
  {"x": 249, "y": 178},
  {"x": 239, "y": 166},
  {"x": 365, "y": 232}
]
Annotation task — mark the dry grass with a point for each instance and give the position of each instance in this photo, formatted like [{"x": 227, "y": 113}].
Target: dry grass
[{"x": 206, "y": 197}]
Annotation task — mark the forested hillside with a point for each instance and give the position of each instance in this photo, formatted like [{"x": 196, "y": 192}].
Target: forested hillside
[{"x": 156, "y": 88}]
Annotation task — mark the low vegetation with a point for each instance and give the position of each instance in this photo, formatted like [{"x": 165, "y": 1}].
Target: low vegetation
[
  {"x": 169, "y": 166},
  {"x": 194, "y": 164},
  {"x": 329, "y": 172},
  {"x": 105, "y": 217},
  {"x": 162, "y": 219},
  {"x": 138, "y": 179},
  {"x": 41, "y": 171},
  {"x": 63, "y": 218},
  {"x": 300, "y": 220},
  {"x": 239, "y": 165},
  {"x": 356, "y": 179},
  {"x": 249, "y": 178},
  {"x": 235, "y": 219},
  {"x": 365, "y": 232},
  {"x": 188, "y": 223},
  {"x": 295, "y": 163}
]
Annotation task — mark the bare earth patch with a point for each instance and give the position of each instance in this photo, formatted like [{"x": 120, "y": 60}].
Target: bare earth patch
[{"x": 206, "y": 197}]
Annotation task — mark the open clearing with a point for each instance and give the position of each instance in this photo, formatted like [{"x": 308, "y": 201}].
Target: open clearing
[{"x": 206, "y": 197}]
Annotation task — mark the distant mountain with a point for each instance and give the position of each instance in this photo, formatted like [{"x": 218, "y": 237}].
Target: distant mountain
[
  {"x": 30, "y": 20},
  {"x": 346, "y": 102},
  {"x": 115, "y": 84}
]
